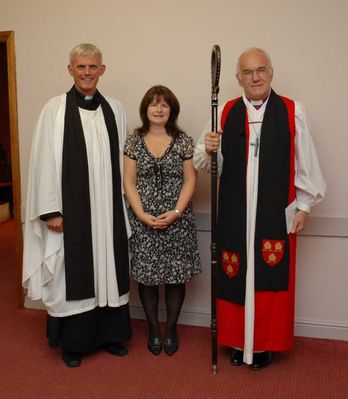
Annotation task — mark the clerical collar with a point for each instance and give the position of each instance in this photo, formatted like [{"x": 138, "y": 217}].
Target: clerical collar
[
  {"x": 87, "y": 102},
  {"x": 257, "y": 103}
]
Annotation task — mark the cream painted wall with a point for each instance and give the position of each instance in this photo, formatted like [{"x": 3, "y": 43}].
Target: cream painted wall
[{"x": 146, "y": 42}]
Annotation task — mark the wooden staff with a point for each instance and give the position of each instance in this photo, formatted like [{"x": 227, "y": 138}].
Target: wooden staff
[{"x": 215, "y": 76}]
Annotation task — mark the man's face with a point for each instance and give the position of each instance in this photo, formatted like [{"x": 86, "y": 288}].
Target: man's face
[
  {"x": 86, "y": 71},
  {"x": 255, "y": 75}
]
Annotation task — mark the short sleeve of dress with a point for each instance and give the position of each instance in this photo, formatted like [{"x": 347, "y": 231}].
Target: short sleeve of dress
[
  {"x": 187, "y": 146},
  {"x": 130, "y": 146}
]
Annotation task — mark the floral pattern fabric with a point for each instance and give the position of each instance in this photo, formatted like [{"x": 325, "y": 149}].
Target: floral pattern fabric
[{"x": 168, "y": 256}]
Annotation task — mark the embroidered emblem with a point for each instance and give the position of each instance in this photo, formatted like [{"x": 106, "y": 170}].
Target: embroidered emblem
[
  {"x": 272, "y": 251},
  {"x": 230, "y": 263}
]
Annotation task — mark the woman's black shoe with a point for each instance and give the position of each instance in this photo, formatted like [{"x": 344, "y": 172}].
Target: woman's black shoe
[
  {"x": 171, "y": 345},
  {"x": 236, "y": 357},
  {"x": 154, "y": 345},
  {"x": 261, "y": 360}
]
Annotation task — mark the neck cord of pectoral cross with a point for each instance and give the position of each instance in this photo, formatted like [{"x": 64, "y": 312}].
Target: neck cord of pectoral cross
[{"x": 256, "y": 144}]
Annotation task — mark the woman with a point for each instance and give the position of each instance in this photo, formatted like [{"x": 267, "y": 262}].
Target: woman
[{"x": 159, "y": 181}]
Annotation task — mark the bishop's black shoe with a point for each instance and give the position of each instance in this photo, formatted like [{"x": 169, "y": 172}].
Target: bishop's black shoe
[
  {"x": 236, "y": 357},
  {"x": 261, "y": 360},
  {"x": 116, "y": 349},
  {"x": 71, "y": 359}
]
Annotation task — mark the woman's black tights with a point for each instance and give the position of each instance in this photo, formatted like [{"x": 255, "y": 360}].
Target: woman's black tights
[
  {"x": 175, "y": 295},
  {"x": 149, "y": 298},
  {"x": 174, "y": 298}
]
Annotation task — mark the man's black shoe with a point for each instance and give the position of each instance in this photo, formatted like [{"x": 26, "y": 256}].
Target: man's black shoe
[
  {"x": 261, "y": 360},
  {"x": 116, "y": 349},
  {"x": 71, "y": 359},
  {"x": 237, "y": 357}
]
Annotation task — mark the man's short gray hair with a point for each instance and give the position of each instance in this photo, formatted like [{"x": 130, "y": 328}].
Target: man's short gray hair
[
  {"x": 85, "y": 49},
  {"x": 250, "y": 50}
]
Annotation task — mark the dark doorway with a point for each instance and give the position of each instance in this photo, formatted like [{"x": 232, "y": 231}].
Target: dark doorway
[
  {"x": 6, "y": 203},
  {"x": 10, "y": 198}
]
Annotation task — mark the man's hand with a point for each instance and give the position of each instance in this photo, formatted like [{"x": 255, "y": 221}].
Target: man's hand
[
  {"x": 299, "y": 222},
  {"x": 212, "y": 141},
  {"x": 55, "y": 224}
]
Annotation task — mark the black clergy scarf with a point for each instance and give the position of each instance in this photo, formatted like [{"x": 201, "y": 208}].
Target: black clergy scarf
[
  {"x": 78, "y": 250},
  {"x": 273, "y": 194}
]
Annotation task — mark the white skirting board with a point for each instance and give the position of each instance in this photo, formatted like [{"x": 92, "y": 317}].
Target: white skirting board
[
  {"x": 321, "y": 329},
  {"x": 200, "y": 318},
  {"x": 303, "y": 328}
]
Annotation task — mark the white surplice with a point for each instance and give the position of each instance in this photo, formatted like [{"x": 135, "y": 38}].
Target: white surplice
[
  {"x": 309, "y": 183},
  {"x": 43, "y": 258}
]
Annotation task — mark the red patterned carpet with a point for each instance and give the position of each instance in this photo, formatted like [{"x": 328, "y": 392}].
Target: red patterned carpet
[{"x": 315, "y": 368}]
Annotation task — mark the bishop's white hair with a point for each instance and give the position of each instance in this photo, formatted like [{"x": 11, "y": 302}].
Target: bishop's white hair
[{"x": 250, "y": 50}]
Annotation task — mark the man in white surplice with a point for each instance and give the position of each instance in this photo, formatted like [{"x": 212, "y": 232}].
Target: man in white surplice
[
  {"x": 270, "y": 180},
  {"x": 75, "y": 244}
]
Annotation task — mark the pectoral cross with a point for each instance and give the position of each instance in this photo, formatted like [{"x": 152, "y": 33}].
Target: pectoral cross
[{"x": 256, "y": 145}]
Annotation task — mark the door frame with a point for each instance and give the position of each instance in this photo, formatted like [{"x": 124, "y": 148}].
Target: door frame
[{"x": 7, "y": 37}]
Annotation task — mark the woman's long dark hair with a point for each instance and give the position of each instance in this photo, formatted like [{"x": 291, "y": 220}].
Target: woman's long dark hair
[{"x": 156, "y": 93}]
